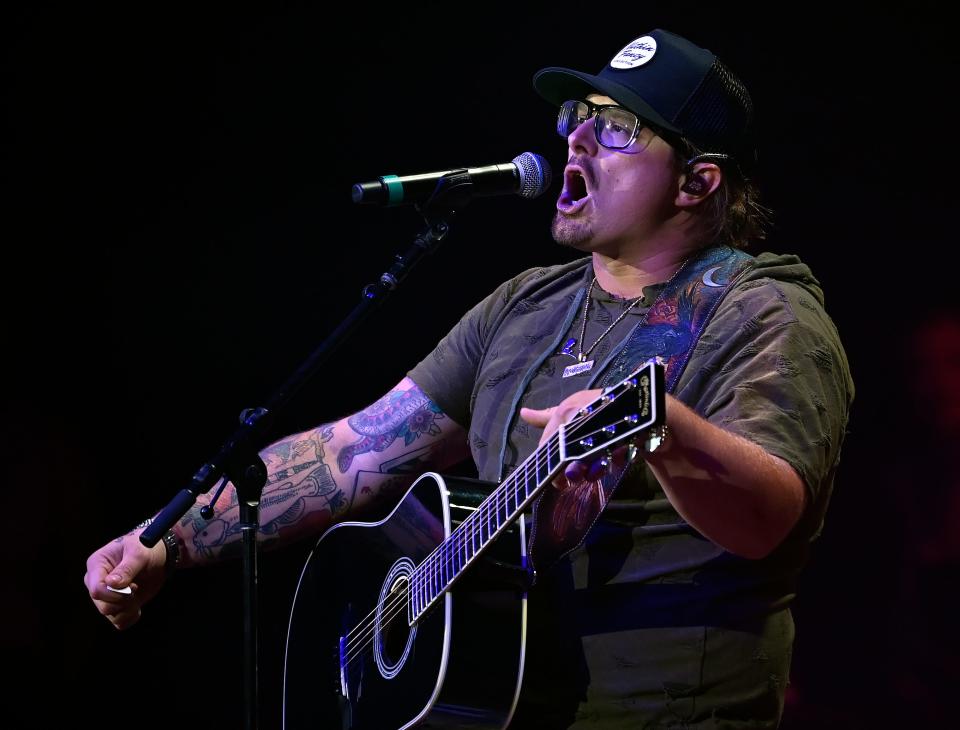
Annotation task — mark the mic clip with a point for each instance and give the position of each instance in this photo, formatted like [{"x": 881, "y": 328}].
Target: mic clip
[{"x": 454, "y": 190}]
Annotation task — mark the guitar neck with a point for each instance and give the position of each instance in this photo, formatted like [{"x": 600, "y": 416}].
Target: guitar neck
[{"x": 495, "y": 514}]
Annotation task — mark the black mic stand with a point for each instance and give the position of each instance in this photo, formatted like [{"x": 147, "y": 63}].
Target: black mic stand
[{"x": 238, "y": 460}]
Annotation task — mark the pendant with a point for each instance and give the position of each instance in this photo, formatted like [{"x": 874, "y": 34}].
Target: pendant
[
  {"x": 568, "y": 347},
  {"x": 581, "y": 367}
]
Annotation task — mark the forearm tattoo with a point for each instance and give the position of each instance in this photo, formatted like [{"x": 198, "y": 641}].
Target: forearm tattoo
[
  {"x": 301, "y": 488},
  {"x": 299, "y": 482},
  {"x": 407, "y": 414}
]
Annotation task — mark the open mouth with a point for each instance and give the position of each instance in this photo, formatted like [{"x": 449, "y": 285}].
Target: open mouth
[{"x": 575, "y": 192}]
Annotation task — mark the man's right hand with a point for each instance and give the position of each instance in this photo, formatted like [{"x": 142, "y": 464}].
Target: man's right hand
[{"x": 120, "y": 564}]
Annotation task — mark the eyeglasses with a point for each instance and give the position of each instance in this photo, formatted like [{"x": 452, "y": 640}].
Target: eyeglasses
[{"x": 616, "y": 128}]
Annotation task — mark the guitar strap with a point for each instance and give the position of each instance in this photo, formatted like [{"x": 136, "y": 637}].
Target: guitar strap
[{"x": 670, "y": 330}]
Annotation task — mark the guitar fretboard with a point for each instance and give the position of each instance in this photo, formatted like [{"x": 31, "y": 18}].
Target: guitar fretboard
[{"x": 435, "y": 574}]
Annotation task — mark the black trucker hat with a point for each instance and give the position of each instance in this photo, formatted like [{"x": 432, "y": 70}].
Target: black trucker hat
[{"x": 672, "y": 83}]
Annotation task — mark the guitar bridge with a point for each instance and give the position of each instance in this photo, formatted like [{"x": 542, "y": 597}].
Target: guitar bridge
[{"x": 344, "y": 690}]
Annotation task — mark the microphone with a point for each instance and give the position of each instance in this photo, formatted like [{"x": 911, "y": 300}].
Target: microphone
[{"x": 528, "y": 175}]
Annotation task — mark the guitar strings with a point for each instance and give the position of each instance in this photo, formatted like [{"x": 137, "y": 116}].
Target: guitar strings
[
  {"x": 397, "y": 603},
  {"x": 431, "y": 568},
  {"x": 360, "y": 637}
]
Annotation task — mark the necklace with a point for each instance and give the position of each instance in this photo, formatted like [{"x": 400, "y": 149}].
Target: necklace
[{"x": 583, "y": 365}]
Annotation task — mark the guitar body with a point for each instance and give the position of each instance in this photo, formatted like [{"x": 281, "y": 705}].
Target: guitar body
[{"x": 352, "y": 658}]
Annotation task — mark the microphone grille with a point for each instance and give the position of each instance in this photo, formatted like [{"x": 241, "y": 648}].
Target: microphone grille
[{"x": 535, "y": 174}]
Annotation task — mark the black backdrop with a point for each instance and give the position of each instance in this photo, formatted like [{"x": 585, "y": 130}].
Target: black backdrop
[{"x": 180, "y": 234}]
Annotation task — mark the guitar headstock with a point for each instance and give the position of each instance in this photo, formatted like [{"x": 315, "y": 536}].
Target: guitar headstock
[{"x": 632, "y": 406}]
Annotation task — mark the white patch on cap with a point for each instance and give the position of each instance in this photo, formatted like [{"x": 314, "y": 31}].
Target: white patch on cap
[{"x": 636, "y": 53}]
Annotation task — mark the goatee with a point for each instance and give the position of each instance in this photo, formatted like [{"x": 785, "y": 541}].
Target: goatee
[{"x": 571, "y": 232}]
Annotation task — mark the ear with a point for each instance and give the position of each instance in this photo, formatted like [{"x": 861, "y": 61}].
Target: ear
[{"x": 697, "y": 183}]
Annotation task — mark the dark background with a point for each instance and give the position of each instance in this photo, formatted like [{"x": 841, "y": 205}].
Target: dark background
[{"x": 180, "y": 235}]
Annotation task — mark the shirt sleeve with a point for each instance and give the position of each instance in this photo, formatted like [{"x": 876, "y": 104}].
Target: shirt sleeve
[
  {"x": 770, "y": 368},
  {"x": 448, "y": 373}
]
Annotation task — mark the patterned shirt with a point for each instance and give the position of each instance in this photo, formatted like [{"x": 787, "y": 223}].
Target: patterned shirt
[{"x": 652, "y": 620}]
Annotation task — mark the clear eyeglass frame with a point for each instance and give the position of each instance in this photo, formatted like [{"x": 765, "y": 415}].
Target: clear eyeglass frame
[{"x": 615, "y": 127}]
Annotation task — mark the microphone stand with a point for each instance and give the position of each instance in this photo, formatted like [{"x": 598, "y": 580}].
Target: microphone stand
[{"x": 238, "y": 460}]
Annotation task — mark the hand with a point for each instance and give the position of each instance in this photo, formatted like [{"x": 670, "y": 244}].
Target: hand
[
  {"x": 122, "y": 563},
  {"x": 550, "y": 420}
]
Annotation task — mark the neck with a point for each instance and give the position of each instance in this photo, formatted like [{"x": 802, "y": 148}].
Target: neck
[{"x": 627, "y": 275}]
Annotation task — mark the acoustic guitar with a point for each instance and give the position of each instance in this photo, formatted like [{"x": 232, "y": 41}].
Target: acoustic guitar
[{"x": 419, "y": 619}]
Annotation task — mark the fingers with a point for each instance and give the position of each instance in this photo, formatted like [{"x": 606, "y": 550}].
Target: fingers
[
  {"x": 624, "y": 456},
  {"x": 123, "y": 574},
  {"x": 590, "y": 470},
  {"x": 546, "y": 418},
  {"x": 103, "y": 595},
  {"x": 126, "y": 617},
  {"x": 551, "y": 418},
  {"x": 120, "y": 609},
  {"x": 598, "y": 469},
  {"x": 587, "y": 471},
  {"x": 576, "y": 471},
  {"x": 537, "y": 417},
  {"x": 109, "y": 580},
  {"x": 98, "y": 566}
]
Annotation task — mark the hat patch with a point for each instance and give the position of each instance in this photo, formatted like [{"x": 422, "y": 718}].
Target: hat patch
[{"x": 636, "y": 53}]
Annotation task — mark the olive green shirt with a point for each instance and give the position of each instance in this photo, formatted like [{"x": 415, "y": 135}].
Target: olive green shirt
[{"x": 650, "y": 619}]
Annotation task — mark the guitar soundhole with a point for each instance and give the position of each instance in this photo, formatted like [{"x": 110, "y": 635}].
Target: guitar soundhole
[
  {"x": 395, "y": 633},
  {"x": 393, "y": 637}
]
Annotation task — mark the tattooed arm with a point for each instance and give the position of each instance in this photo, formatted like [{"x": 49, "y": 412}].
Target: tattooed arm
[
  {"x": 338, "y": 469},
  {"x": 344, "y": 469}
]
